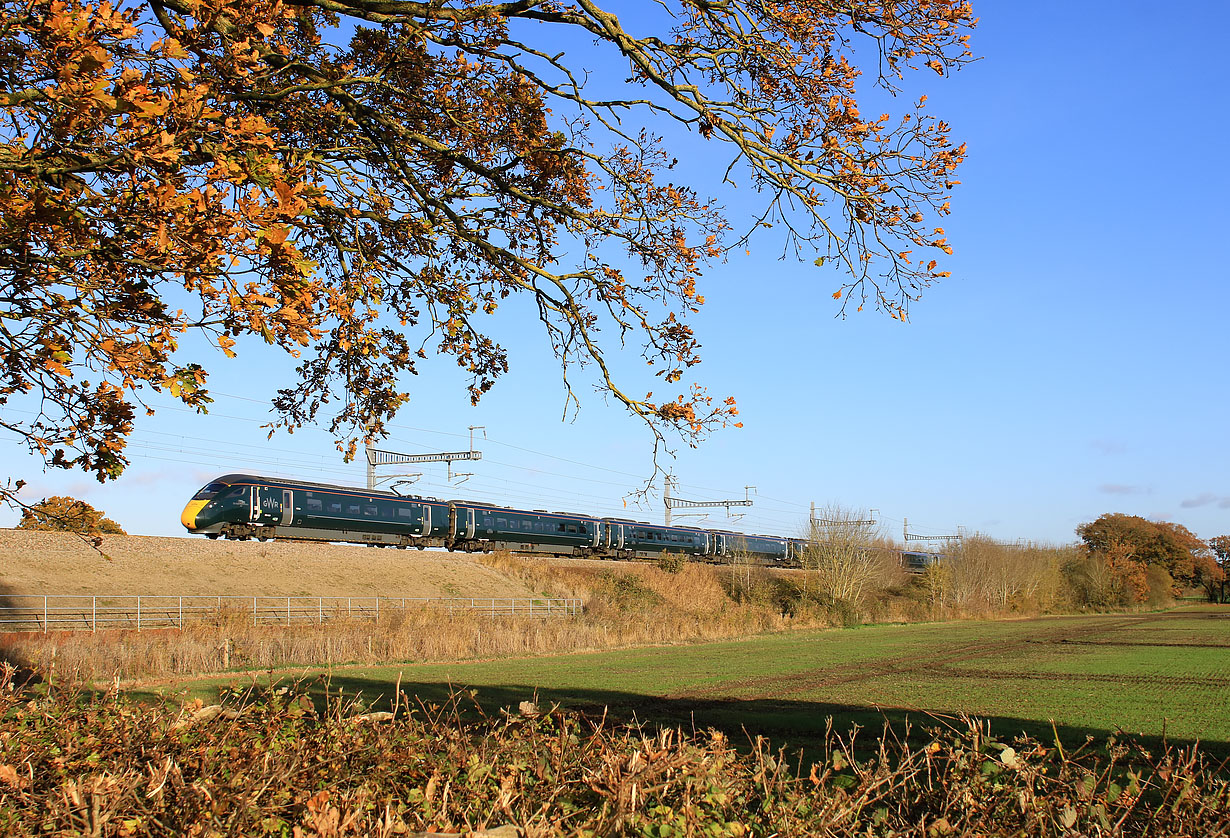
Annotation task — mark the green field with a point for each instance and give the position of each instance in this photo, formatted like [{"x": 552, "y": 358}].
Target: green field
[{"x": 1149, "y": 674}]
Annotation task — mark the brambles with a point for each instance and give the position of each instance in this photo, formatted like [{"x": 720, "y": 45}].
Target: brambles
[{"x": 276, "y": 763}]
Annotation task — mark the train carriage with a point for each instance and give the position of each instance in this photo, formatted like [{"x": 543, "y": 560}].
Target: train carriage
[
  {"x": 247, "y": 506},
  {"x": 645, "y": 541},
  {"x": 536, "y": 531},
  {"x": 732, "y": 545},
  {"x": 914, "y": 561}
]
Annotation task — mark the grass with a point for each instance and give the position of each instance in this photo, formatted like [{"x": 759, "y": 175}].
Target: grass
[{"x": 1019, "y": 674}]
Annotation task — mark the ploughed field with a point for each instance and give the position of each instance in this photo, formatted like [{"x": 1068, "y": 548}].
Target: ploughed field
[{"x": 1151, "y": 674}]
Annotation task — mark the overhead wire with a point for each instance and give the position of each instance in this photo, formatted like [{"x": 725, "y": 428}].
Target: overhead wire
[{"x": 779, "y": 514}]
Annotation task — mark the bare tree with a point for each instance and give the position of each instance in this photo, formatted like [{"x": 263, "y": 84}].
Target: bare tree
[
  {"x": 984, "y": 573},
  {"x": 936, "y": 581},
  {"x": 741, "y": 570},
  {"x": 841, "y": 553}
]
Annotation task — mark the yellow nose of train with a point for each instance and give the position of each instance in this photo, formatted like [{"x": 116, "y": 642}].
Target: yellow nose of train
[{"x": 188, "y": 516}]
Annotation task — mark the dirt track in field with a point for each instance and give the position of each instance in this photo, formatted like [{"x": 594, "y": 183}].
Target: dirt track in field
[
  {"x": 949, "y": 657},
  {"x": 40, "y": 563}
]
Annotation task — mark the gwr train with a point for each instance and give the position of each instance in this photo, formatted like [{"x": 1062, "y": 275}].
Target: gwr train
[{"x": 244, "y": 506}]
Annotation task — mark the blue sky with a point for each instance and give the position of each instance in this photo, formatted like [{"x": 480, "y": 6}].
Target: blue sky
[{"x": 1073, "y": 365}]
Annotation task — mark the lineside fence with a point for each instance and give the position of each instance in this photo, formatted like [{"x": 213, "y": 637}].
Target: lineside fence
[{"x": 72, "y": 612}]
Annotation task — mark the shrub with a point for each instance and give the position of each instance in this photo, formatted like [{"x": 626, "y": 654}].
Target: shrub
[
  {"x": 626, "y": 592},
  {"x": 671, "y": 562},
  {"x": 65, "y": 514}
]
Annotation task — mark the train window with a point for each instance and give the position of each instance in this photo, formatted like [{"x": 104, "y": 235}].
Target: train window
[
  {"x": 583, "y": 529},
  {"x": 314, "y": 505},
  {"x": 501, "y": 522},
  {"x": 352, "y": 508},
  {"x": 209, "y": 491},
  {"x": 488, "y": 520},
  {"x": 370, "y": 511},
  {"x": 336, "y": 507},
  {"x": 405, "y": 512},
  {"x": 386, "y": 512},
  {"x": 572, "y": 528},
  {"x": 562, "y": 528}
]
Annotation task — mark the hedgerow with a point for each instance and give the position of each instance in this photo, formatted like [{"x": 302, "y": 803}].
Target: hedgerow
[{"x": 274, "y": 763}]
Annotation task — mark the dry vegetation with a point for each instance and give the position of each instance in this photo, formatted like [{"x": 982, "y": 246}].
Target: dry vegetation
[
  {"x": 626, "y": 604},
  {"x": 60, "y": 563},
  {"x": 278, "y": 764}
]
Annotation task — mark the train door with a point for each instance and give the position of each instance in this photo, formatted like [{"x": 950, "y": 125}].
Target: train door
[
  {"x": 460, "y": 522},
  {"x": 288, "y": 507},
  {"x": 596, "y": 540},
  {"x": 254, "y": 503},
  {"x": 426, "y": 520},
  {"x": 614, "y": 536}
]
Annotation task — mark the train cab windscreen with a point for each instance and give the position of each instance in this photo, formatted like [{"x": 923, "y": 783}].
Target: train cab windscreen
[{"x": 211, "y": 491}]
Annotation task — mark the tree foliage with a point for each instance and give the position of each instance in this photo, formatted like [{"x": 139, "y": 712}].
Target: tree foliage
[
  {"x": 1215, "y": 572},
  {"x": 1130, "y": 538},
  {"x": 363, "y": 183},
  {"x": 65, "y": 514},
  {"x": 1220, "y": 545}
]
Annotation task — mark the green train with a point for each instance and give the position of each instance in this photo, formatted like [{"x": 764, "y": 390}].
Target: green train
[{"x": 245, "y": 506}]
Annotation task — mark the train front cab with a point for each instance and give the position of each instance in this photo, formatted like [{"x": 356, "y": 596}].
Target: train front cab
[{"x": 237, "y": 499}]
